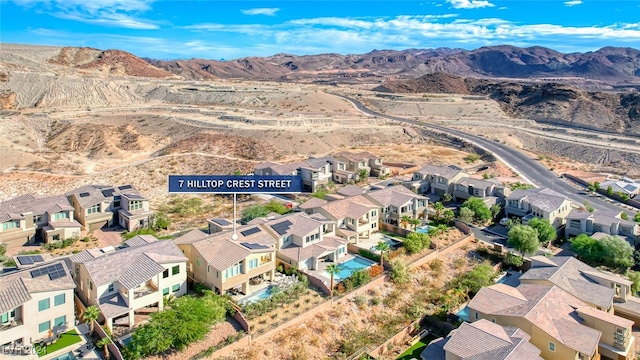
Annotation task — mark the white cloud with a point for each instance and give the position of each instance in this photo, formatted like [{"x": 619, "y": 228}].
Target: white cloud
[
  {"x": 261, "y": 11},
  {"x": 113, "y": 13},
  {"x": 469, "y": 4},
  {"x": 573, "y": 2}
]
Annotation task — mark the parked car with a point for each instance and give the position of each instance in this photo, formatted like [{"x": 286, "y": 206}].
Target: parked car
[{"x": 504, "y": 221}]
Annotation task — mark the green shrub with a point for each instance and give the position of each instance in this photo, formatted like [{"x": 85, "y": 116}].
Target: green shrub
[
  {"x": 513, "y": 260},
  {"x": 399, "y": 272},
  {"x": 3, "y": 249},
  {"x": 369, "y": 255}
]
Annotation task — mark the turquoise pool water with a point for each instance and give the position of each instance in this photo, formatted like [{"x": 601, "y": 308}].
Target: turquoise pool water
[
  {"x": 463, "y": 314},
  {"x": 393, "y": 244},
  {"x": 67, "y": 356},
  {"x": 349, "y": 267},
  {"x": 260, "y": 295},
  {"x": 423, "y": 229}
]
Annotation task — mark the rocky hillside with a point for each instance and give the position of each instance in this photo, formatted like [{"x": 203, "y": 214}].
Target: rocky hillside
[
  {"x": 605, "y": 67},
  {"x": 545, "y": 102},
  {"x": 114, "y": 62}
]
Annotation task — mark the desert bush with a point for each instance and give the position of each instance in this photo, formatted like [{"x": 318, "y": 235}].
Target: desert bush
[{"x": 399, "y": 272}]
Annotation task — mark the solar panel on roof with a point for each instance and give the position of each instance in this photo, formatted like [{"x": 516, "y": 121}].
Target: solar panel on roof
[
  {"x": 629, "y": 187},
  {"x": 250, "y": 231},
  {"x": 37, "y": 258},
  {"x": 24, "y": 260},
  {"x": 108, "y": 192},
  {"x": 253, "y": 246},
  {"x": 124, "y": 187},
  {"x": 282, "y": 227},
  {"x": 84, "y": 194},
  {"x": 54, "y": 271}
]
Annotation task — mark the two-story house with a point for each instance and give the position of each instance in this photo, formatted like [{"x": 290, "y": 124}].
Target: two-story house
[
  {"x": 398, "y": 201},
  {"x": 314, "y": 172},
  {"x": 467, "y": 187},
  {"x": 35, "y": 301},
  {"x": 541, "y": 202},
  {"x": 98, "y": 206},
  {"x": 437, "y": 179},
  {"x": 223, "y": 263},
  {"x": 134, "y": 277},
  {"x": 356, "y": 217},
  {"x": 560, "y": 325},
  {"x": 482, "y": 340},
  {"x": 304, "y": 241},
  {"x": 30, "y": 218},
  {"x": 607, "y": 222},
  {"x": 349, "y": 162}
]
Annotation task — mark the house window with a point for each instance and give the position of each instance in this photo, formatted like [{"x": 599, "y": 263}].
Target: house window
[
  {"x": 620, "y": 336},
  {"x": 60, "y": 299},
  {"x": 253, "y": 264},
  {"x": 476, "y": 315},
  {"x": 165, "y": 291},
  {"x": 552, "y": 347},
  {"x": 175, "y": 288},
  {"x": 340, "y": 166},
  {"x": 165, "y": 273},
  {"x": 55, "y": 237},
  {"x": 61, "y": 215},
  {"x": 44, "y": 304},
  {"x": 45, "y": 326},
  {"x": 110, "y": 288},
  {"x": 373, "y": 226},
  {"x": 37, "y": 218},
  {"x": 374, "y": 213},
  {"x": 442, "y": 180},
  {"x": 175, "y": 270},
  {"x": 10, "y": 225},
  {"x": 311, "y": 238},
  {"x": 513, "y": 203},
  {"x": 493, "y": 320},
  {"x": 90, "y": 285},
  {"x": 197, "y": 262},
  {"x": 135, "y": 205},
  {"x": 217, "y": 274},
  {"x": 233, "y": 271},
  {"x": 60, "y": 321},
  {"x": 94, "y": 209},
  {"x": 8, "y": 316},
  {"x": 116, "y": 201}
]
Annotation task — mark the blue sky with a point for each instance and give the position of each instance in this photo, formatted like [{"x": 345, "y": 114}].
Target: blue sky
[{"x": 232, "y": 29}]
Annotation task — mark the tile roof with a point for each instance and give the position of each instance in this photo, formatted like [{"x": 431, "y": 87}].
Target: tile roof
[
  {"x": 140, "y": 240},
  {"x": 568, "y": 273},
  {"x": 579, "y": 215},
  {"x": 542, "y": 198},
  {"x": 443, "y": 171},
  {"x": 190, "y": 237},
  {"x": 550, "y": 308},
  {"x": 607, "y": 276},
  {"x": 485, "y": 340},
  {"x": 605, "y": 316},
  {"x": 298, "y": 224},
  {"x": 113, "y": 305},
  {"x": 17, "y": 286},
  {"x": 352, "y": 190},
  {"x": 221, "y": 222},
  {"x": 476, "y": 183},
  {"x": 353, "y": 207},
  {"x": 131, "y": 266},
  {"x": 98, "y": 193},
  {"x": 394, "y": 196},
  {"x": 312, "y": 203},
  {"x": 38, "y": 205},
  {"x": 317, "y": 250}
]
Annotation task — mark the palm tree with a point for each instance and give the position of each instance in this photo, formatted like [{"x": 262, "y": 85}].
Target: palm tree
[
  {"x": 415, "y": 223},
  {"x": 382, "y": 247},
  {"x": 438, "y": 207},
  {"x": 404, "y": 220},
  {"x": 104, "y": 342},
  {"x": 90, "y": 314},
  {"x": 332, "y": 269}
]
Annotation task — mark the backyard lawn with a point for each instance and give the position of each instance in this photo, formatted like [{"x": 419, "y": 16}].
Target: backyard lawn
[
  {"x": 66, "y": 339},
  {"x": 417, "y": 349}
]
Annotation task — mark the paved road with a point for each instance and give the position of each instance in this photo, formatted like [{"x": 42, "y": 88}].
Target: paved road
[{"x": 529, "y": 169}]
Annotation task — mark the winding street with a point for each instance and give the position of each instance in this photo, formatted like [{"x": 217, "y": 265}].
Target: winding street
[{"x": 531, "y": 170}]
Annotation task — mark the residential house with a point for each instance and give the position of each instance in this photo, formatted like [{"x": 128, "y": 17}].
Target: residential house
[
  {"x": 352, "y": 190},
  {"x": 98, "y": 206},
  {"x": 482, "y": 340},
  {"x": 467, "y": 187},
  {"x": 356, "y": 217},
  {"x": 271, "y": 168},
  {"x": 631, "y": 189},
  {"x": 30, "y": 218},
  {"x": 560, "y": 325},
  {"x": 219, "y": 225},
  {"x": 223, "y": 263},
  {"x": 347, "y": 163},
  {"x": 131, "y": 279},
  {"x": 398, "y": 201},
  {"x": 304, "y": 241},
  {"x": 541, "y": 202},
  {"x": 607, "y": 222},
  {"x": 315, "y": 172},
  {"x": 437, "y": 179},
  {"x": 35, "y": 301}
]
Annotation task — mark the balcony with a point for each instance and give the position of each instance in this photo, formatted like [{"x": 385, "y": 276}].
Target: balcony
[
  {"x": 10, "y": 325},
  {"x": 144, "y": 290},
  {"x": 363, "y": 221}
]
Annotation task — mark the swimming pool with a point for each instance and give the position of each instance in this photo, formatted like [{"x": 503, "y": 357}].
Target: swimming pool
[
  {"x": 260, "y": 295},
  {"x": 423, "y": 229},
  {"x": 350, "y": 266},
  {"x": 463, "y": 314},
  {"x": 393, "y": 244},
  {"x": 67, "y": 356}
]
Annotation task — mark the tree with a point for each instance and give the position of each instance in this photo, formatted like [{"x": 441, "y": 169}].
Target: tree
[
  {"x": 399, "y": 272},
  {"x": 161, "y": 221},
  {"x": 254, "y": 211},
  {"x": 481, "y": 212},
  {"x": 546, "y": 232},
  {"x": 474, "y": 280},
  {"x": 524, "y": 239},
  {"x": 466, "y": 215},
  {"x": 415, "y": 242},
  {"x": 513, "y": 222},
  {"x": 405, "y": 220},
  {"x": 636, "y": 217},
  {"x": 438, "y": 208},
  {"x": 90, "y": 314},
  {"x": 332, "y": 269},
  {"x": 382, "y": 247},
  {"x": 634, "y": 276},
  {"x": 624, "y": 216},
  {"x": 495, "y": 210},
  {"x": 448, "y": 216},
  {"x": 446, "y": 198},
  {"x": 617, "y": 252},
  {"x": 104, "y": 342},
  {"x": 609, "y": 191},
  {"x": 363, "y": 175},
  {"x": 415, "y": 223},
  {"x": 624, "y": 197},
  {"x": 587, "y": 248}
]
